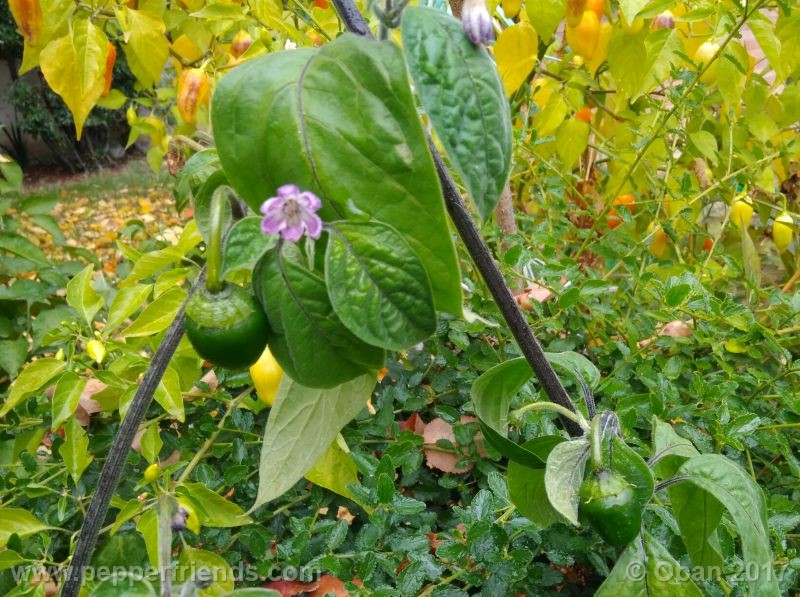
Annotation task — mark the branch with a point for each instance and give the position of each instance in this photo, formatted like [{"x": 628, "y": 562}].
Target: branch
[
  {"x": 483, "y": 260},
  {"x": 118, "y": 454}
]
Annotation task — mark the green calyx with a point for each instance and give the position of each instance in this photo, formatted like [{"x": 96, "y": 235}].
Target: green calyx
[
  {"x": 227, "y": 327},
  {"x": 608, "y": 503}
]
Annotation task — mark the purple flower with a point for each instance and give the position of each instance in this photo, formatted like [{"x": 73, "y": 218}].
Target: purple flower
[
  {"x": 477, "y": 22},
  {"x": 179, "y": 519},
  {"x": 292, "y": 213}
]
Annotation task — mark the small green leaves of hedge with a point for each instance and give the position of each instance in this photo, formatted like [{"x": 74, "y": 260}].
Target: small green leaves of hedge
[
  {"x": 744, "y": 501},
  {"x": 462, "y": 93},
  {"x": 302, "y": 425},
  {"x": 32, "y": 378},
  {"x": 212, "y": 509},
  {"x": 309, "y": 341},
  {"x": 339, "y": 121},
  {"x": 378, "y": 285}
]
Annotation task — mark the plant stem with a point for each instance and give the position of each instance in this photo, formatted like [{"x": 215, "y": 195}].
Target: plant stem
[
  {"x": 552, "y": 406},
  {"x": 214, "y": 258},
  {"x": 112, "y": 469}
]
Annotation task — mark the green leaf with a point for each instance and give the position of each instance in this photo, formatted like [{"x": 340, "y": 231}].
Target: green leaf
[
  {"x": 378, "y": 285},
  {"x": 491, "y": 394},
  {"x": 21, "y": 246},
  {"x": 194, "y": 173},
  {"x": 669, "y": 449},
  {"x": 563, "y": 476},
  {"x": 75, "y": 449},
  {"x": 744, "y": 501},
  {"x": 645, "y": 569},
  {"x": 573, "y": 363},
  {"x": 146, "y": 47},
  {"x": 82, "y": 296},
  {"x": 74, "y": 66},
  {"x": 309, "y": 341},
  {"x": 9, "y": 559},
  {"x": 334, "y": 471},
  {"x": 339, "y": 121},
  {"x": 147, "y": 525},
  {"x": 764, "y": 31},
  {"x": 706, "y": 144},
  {"x": 151, "y": 443},
  {"x": 750, "y": 259},
  {"x": 16, "y": 521},
  {"x": 628, "y": 74},
  {"x": 698, "y": 514},
  {"x": 663, "y": 50},
  {"x": 152, "y": 263},
  {"x": 572, "y": 137},
  {"x": 494, "y": 390},
  {"x": 545, "y": 16},
  {"x": 634, "y": 470},
  {"x": 13, "y": 354},
  {"x": 192, "y": 560},
  {"x": 245, "y": 245},
  {"x": 168, "y": 394},
  {"x": 130, "y": 509},
  {"x": 125, "y": 304},
  {"x": 302, "y": 425},
  {"x": 526, "y": 486},
  {"x": 631, "y": 8},
  {"x": 216, "y": 183},
  {"x": 65, "y": 397},
  {"x": 213, "y": 510},
  {"x": 32, "y": 378},
  {"x": 157, "y": 316},
  {"x": 732, "y": 68},
  {"x": 463, "y": 96}
]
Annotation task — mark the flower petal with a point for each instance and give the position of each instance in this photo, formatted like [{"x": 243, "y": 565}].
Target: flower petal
[
  {"x": 310, "y": 201},
  {"x": 313, "y": 225},
  {"x": 293, "y": 233},
  {"x": 288, "y": 190}
]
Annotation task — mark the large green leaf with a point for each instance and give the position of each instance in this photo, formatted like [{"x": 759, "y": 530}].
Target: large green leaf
[
  {"x": 16, "y": 521},
  {"x": 301, "y": 427},
  {"x": 308, "y": 340},
  {"x": 563, "y": 477},
  {"x": 462, "y": 93},
  {"x": 526, "y": 487},
  {"x": 212, "y": 509},
  {"x": 244, "y": 245},
  {"x": 698, "y": 514},
  {"x": 334, "y": 471},
  {"x": 82, "y": 296},
  {"x": 75, "y": 449},
  {"x": 378, "y": 285},
  {"x": 647, "y": 569},
  {"x": 19, "y": 245},
  {"x": 339, "y": 121},
  {"x": 745, "y": 502},
  {"x": 545, "y": 15},
  {"x": 494, "y": 390},
  {"x": 670, "y": 450},
  {"x": 65, "y": 397},
  {"x": 32, "y": 378}
]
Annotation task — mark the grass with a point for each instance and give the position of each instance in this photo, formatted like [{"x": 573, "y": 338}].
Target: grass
[{"x": 134, "y": 176}]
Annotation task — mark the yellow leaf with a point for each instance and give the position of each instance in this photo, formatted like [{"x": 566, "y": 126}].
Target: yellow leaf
[
  {"x": 515, "y": 53},
  {"x": 146, "y": 47},
  {"x": 74, "y": 66}
]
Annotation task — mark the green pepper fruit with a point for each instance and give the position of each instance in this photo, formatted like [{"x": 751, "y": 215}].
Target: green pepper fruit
[
  {"x": 227, "y": 327},
  {"x": 609, "y": 504}
]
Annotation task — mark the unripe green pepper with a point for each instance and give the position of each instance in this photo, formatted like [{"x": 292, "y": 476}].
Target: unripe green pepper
[
  {"x": 609, "y": 504},
  {"x": 227, "y": 327}
]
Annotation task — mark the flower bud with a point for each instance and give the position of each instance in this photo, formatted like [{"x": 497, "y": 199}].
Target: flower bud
[
  {"x": 477, "y": 22},
  {"x": 665, "y": 20},
  {"x": 111, "y": 58},
  {"x": 240, "y": 43}
]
